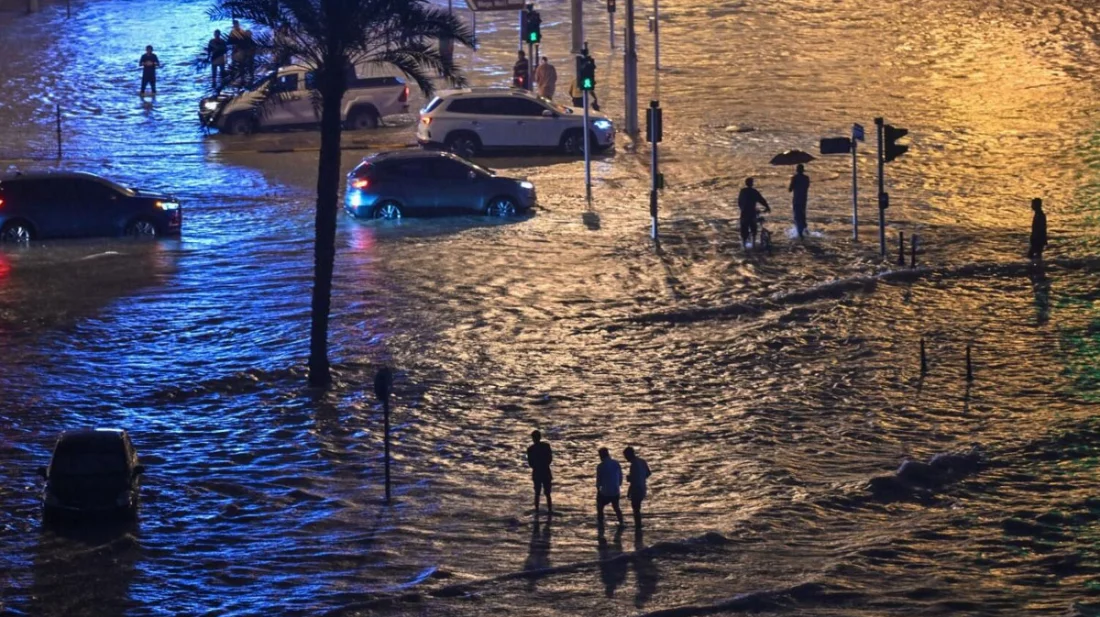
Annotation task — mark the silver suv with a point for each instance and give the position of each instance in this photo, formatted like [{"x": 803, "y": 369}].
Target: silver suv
[{"x": 471, "y": 120}]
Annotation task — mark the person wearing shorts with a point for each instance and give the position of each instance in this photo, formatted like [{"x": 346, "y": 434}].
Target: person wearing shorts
[{"x": 539, "y": 457}]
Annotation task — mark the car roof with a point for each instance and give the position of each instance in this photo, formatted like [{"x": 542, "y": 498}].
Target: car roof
[
  {"x": 86, "y": 436},
  {"x": 397, "y": 155},
  {"x": 51, "y": 175},
  {"x": 483, "y": 91}
]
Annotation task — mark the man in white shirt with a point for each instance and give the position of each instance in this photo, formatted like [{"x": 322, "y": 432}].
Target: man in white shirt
[
  {"x": 609, "y": 477},
  {"x": 639, "y": 473}
]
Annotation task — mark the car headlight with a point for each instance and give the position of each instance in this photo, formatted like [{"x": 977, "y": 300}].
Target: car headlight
[
  {"x": 527, "y": 186},
  {"x": 167, "y": 205},
  {"x": 211, "y": 105},
  {"x": 603, "y": 125}
]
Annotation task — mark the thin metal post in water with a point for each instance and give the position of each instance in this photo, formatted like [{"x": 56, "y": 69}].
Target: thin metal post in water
[
  {"x": 630, "y": 73},
  {"x": 901, "y": 248},
  {"x": 383, "y": 385},
  {"x": 913, "y": 250},
  {"x": 883, "y": 198},
  {"x": 923, "y": 358},
  {"x": 59, "y": 132},
  {"x": 969, "y": 367},
  {"x": 855, "y": 193},
  {"x": 386, "y": 413}
]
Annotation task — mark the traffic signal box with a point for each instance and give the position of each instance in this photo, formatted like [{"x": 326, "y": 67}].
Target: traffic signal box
[
  {"x": 531, "y": 26},
  {"x": 893, "y": 150},
  {"x": 586, "y": 71}
]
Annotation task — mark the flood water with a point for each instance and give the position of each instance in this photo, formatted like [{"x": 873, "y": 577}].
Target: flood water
[{"x": 766, "y": 391}]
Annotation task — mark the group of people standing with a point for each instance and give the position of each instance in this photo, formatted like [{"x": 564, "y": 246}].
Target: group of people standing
[
  {"x": 546, "y": 81},
  {"x": 609, "y": 480},
  {"x": 239, "y": 47}
]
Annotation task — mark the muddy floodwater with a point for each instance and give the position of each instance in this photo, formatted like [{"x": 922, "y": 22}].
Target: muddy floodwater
[{"x": 774, "y": 395}]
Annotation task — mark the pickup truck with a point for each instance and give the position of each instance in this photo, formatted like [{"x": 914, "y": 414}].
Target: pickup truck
[{"x": 366, "y": 102}]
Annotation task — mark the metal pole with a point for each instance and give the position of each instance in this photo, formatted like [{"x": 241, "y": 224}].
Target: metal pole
[
  {"x": 386, "y": 414},
  {"x": 630, "y": 72},
  {"x": 901, "y": 248},
  {"x": 882, "y": 197},
  {"x": 855, "y": 192},
  {"x": 59, "y": 131},
  {"x": 653, "y": 168},
  {"x": 587, "y": 153},
  {"x": 913, "y": 240},
  {"x": 656, "y": 39},
  {"x": 923, "y": 358},
  {"x": 530, "y": 69},
  {"x": 611, "y": 18},
  {"x": 576, "y": 14},
  {"x": 969, "y": 367}
]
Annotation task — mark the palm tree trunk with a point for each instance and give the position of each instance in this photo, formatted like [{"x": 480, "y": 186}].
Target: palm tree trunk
[{"x": 324, "y": 251}]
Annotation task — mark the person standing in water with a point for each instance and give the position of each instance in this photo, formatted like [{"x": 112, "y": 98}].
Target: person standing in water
[
  {"x": 800, "y": 191},
  {"x": 1038, "y": 230},
  {"x": 539, "y": 457},
  {"x": 637, "y": 476},
  {"x": 149, "y": 64},
  {"x": 609, "y": 477}
]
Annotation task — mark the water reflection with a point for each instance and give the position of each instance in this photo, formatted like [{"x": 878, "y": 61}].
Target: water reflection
[
  {"x": 645, "y": 571},
  {"x": 613, "y": 565},
  {"x": 1040, "y": 288},
  {"x": 85, "y": 569},
  {"x": 538, "y": 551}
]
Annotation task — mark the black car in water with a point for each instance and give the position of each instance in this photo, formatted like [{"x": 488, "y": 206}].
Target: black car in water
[
  {"x": 36, "y": 206},
  {"x": 391, "y": 185},
  {"x": 93, "y": 472}
]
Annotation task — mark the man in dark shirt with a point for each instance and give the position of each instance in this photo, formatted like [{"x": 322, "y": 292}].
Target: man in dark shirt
[
  {"x": 520, "y": 72},
  {"x": 746, "y": 203},
  {"x": 800, "y": 190},
  {"x": 216, "y": 50},
  {"x": 1038, "y": 230},
  {"x": 149, "y": 63},
  {"x": 539, "y": 457}
]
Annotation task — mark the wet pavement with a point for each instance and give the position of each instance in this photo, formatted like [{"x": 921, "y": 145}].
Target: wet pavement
[{"x": 765, "y": 390}]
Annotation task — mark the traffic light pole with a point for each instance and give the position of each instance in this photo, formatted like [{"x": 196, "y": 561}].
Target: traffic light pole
[
  {"x": 883, "y": 198},
  {"x": 576, "y": 15},
  {"x": 630, "y": 73},
  {"x": 611, "y": 19},
  {"x": 587, "y": 154},
  {"x": 531, "y": 66}
]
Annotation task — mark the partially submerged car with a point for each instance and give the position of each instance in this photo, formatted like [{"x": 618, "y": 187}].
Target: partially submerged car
[
  {"x": 368, "y": 99},
  {"x": 93, "y": 472}
]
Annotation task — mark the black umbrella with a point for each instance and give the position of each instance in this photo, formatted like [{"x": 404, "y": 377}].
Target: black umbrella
[{"x": 792, "y": 157}]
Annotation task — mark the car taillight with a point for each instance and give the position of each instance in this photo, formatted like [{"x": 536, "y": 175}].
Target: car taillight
[
  {"x": 404, "y": 96},
  {"x": 426, "y": 121},
  {"x": 1, "y": 203},
  {"x": 360, "y": 183}
]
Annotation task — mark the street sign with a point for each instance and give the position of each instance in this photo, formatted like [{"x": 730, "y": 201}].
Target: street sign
[
  {"x": 496, "y": 5},
  {"x": 836, "y": 145},
  {"x": 857, "y": 132}
]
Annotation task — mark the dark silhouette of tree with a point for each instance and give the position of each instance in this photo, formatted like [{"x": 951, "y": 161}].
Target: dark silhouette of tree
[{"x": 331, "y": 37}]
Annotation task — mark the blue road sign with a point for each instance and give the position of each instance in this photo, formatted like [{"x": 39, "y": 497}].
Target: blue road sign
[{"x": 857, "y": 132}]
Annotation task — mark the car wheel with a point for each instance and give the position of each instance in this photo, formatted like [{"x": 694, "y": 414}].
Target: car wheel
[
  {"x": 17, "y": 232},
  {"x": 572, "y": 142},
  {"x": 463, "y": 144},
  {"x": 240, "y": 124},
  {"x": 501, "y": 207},
  {"x": 387, "y": 211},
  {"x": 141, "y": 228},
  {"x": 362, "y": 119}
]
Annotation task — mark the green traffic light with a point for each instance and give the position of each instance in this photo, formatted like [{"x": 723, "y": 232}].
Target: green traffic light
[
  {"x": 587, "y": 85},
  {"x": 533, "y": 37}
]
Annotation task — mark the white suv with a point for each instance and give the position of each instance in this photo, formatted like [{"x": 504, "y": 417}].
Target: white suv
[{"x": 470, "y": 120}]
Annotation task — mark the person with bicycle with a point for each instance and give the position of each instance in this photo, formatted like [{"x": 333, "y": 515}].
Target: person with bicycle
[{"x": 746, "y": 203}]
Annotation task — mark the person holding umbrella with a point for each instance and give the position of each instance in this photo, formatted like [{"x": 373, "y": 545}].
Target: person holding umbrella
[{"x": 800, "y": 190}]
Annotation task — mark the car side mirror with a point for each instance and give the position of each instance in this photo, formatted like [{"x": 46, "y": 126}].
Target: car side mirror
[
  {"x": 41, "y": 472},
  {"x": 546, "y": 113},
  {"x": 139, "y": 469}
]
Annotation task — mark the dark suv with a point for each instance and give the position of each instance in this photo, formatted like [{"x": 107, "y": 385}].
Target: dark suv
[
  {"x": 93, "y": 471},
  {"x": 71, "y": 205},
  {"x": 390, "y": 185}
]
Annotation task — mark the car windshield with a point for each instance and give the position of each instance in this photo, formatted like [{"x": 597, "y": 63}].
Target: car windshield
[{"x": 88, "y": 459}]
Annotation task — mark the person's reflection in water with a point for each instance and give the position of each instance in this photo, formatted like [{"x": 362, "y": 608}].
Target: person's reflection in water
[
  {"x": 538, "y": 553},
  {"x": 1040, "y": 286},
  {"x": 612, "y": 563},
  {"x": 645, "y": 571}
]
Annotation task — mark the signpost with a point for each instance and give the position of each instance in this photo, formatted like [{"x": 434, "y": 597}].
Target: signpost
[{"x": 653, "y": 134}]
